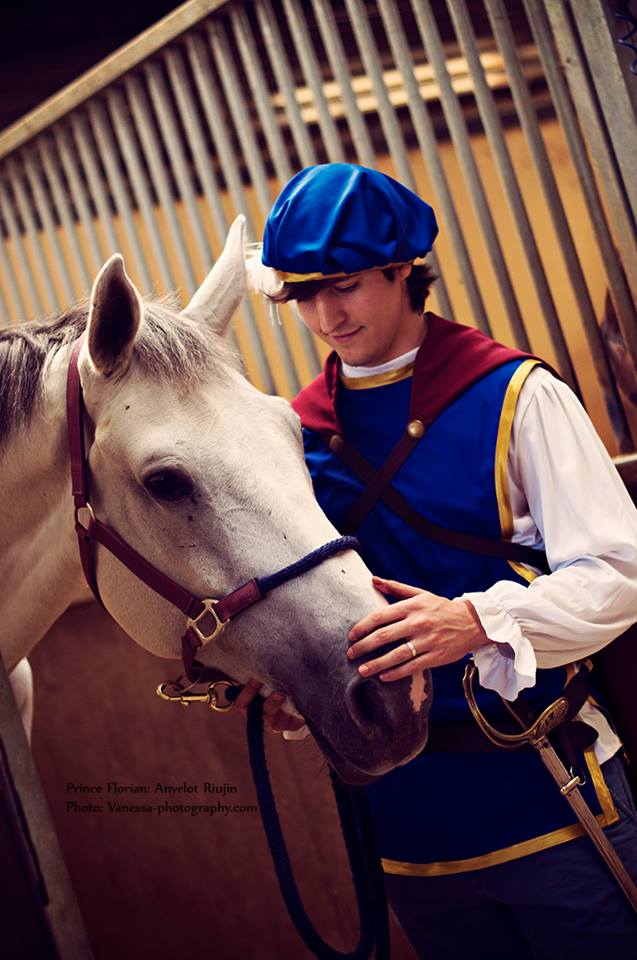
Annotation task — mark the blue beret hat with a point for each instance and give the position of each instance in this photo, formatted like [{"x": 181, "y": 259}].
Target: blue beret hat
[{"x": 335, "y": 219}]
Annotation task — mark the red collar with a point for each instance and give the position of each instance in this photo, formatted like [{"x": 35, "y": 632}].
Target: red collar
[{"x": 451, "y": 358}]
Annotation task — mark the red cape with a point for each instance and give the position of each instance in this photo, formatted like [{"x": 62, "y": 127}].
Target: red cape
[{"x": 451, "y": 358}]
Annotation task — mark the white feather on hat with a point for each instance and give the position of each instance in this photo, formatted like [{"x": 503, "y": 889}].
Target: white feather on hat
[{"x": 261, "y": 279}]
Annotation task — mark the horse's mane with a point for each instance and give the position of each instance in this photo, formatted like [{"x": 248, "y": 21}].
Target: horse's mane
[{"x": 169, "y": 347}]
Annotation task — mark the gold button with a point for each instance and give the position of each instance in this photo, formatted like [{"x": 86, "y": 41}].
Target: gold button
[
  {"x": 336, "y": 443},
  {"x": 416, "y": 429}
]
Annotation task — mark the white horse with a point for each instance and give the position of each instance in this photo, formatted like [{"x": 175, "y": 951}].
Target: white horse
[{"x": 204, "y": 476}]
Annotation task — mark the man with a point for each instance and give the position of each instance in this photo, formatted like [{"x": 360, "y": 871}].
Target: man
[{"x": 483, "y": 857}]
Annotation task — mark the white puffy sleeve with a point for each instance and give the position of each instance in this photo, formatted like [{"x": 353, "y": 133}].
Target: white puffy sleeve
[{"x": 565, "y": 495}]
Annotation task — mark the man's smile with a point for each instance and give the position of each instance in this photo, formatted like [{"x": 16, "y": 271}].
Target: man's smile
[{"x": 344, "y": 337}]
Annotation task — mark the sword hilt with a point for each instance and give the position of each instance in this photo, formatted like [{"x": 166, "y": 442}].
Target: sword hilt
[{"x": 550, "y": 718}]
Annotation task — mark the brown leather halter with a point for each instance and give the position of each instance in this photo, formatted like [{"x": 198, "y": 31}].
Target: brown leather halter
[{"x": 206, "y": 618}]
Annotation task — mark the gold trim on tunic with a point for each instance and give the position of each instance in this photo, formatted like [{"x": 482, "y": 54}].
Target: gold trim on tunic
[
  {"x": 377, "y": 379},
  {"x": 501, "y": 461},
  {"x": 608, "y": 816}
]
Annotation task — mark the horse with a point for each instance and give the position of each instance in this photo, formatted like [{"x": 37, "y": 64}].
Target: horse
[{"x": 204, "y": 476}]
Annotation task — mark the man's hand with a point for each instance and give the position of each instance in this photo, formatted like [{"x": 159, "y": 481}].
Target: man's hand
[
  {"x": 435, "y": 631},
  {"x": 274, "y": 718}
]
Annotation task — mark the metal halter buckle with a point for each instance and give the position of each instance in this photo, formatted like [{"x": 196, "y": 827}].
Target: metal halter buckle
[
  {"x": 212, "y": 695},
  {"x": 91, "y": 515},
  {"x": 208, "y": 610}
]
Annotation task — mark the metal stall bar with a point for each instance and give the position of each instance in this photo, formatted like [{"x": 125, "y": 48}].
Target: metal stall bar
[
  {"x": 238, "y": 110},
  {"x": 624, "y": 305},
  {"x": 215, "y": 119},
  {"x": 214, "y": 115},
  {"x": 398, "y": 153},
  {"x": 231, "y": 85},
  {"x": 189, "y": 115},
  {"x": 44, "y": 212},
  {"x": 584, "y": 99},
  {"x": 615, "y": 102},
  {"x": 312, "y": 72},
  {"x": 153, "y": 154},
  {"x": 278, "y": 60},
  {"x": 338, "y": 62},
  {"x": 508, "y": 177},
  {"x": 7, "y": 269},
  {"x": 26, "y": 214},
  {"x": 432, "y": 44},
  {"x": 177, "y": 157},
  {"x": 428, "y": 145},
  {"x": 256, "y": 77},
  {"x": 78, "y": 194},
  {"x": 61, "y": 200},
  {"x": 7, "y": 214},
  {"x": 118, "y": 110},
  {"x": 258, "y": 85},
  {"x": 530, "y": 126},
  {"x": 109, "y": 157},
  {"x": 5, "y": 316},
  {"x": 94, "y": 178},
  {"x": 196, "y": 139}
]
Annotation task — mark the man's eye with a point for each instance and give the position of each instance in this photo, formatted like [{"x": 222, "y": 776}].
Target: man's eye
[
  {"x": 168, "y": 485},
  {"x": 349, "y": 289}
]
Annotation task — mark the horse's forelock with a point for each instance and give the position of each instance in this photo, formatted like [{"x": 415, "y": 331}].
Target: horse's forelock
[{"x": 169, "y": 348}]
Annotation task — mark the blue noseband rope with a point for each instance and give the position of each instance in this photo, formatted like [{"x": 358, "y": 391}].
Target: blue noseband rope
[
  {"x": 360, "y": 843},
  {"x": 306, "y": 563}
]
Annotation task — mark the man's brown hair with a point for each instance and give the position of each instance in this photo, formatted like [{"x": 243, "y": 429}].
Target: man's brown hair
[{"x": 419, "y": 283}]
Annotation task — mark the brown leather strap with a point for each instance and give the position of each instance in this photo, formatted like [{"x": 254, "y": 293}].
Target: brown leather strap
[
  {"x": 468, "y": 738},
  {"x": 503, "y": 549},
  {"x": 381, "y": 479},
  {"x": 143, "y": 570}
]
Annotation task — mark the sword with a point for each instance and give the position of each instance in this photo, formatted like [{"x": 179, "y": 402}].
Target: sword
[{"x": 537, "y": 736}]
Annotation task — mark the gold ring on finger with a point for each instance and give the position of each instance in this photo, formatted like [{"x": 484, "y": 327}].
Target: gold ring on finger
[{"x": 412, "y": 648}]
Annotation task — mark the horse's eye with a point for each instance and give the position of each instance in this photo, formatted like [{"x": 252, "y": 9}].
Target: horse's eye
[{"x": 168, "y": 485}]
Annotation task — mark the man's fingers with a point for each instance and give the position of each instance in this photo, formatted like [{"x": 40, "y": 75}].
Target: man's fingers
[
  {"x": 249, "y": 692},
  {"x": 415, "y": 665},
  {"x": 401, "y": 655},
  {"x": 375, "y": 620},
  {"x": 272, "y": 705},
  {"x": 396, "y": 589},
  {"x": 399, "y": 630},
  {"x": 285, "y": 721}
]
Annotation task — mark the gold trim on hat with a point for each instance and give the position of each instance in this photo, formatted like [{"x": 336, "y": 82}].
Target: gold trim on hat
[{"x": 304, "y": 277}]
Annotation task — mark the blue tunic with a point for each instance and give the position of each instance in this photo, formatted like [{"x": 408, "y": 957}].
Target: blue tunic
[{"x": 448, "y": 812}]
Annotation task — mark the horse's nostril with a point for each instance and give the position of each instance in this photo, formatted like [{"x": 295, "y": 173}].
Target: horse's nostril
[{"x": 365, "y": 705}]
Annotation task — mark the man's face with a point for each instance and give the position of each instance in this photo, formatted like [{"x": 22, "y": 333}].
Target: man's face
[{"x": 366, "y": 318}]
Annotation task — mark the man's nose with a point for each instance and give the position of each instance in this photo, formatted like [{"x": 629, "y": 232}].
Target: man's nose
[{"x": 330, "y": 314}]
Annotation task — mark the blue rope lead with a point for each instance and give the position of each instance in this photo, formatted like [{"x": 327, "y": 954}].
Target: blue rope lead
[{"x": 365, "y": 865}]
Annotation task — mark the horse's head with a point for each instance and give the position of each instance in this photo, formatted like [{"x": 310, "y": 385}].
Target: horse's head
[{"x": 204, "y": 476}]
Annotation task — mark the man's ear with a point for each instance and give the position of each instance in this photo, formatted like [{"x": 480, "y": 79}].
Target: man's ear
[
  {"x": 224, "y": 288},
  {"x": 114, "y": 318}
]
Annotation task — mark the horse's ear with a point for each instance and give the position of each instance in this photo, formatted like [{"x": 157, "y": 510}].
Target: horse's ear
[
  {"x": 114, "y": 318},
  {"x": 224, "y": 288}
]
